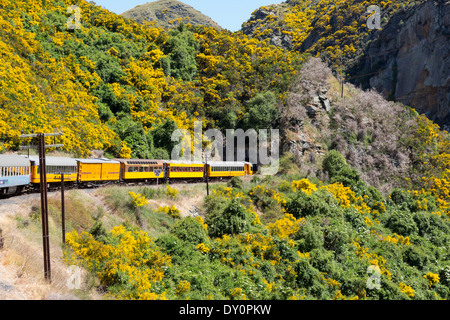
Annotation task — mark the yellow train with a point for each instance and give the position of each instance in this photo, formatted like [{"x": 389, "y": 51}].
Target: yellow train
[
  {"x": 184, "y": 170},
  {"x": 229, "y": 169},
  {"x": 92, "y": 172},
  {"x": 55, "y": 167},
  {"x": 141, "y": 170}
]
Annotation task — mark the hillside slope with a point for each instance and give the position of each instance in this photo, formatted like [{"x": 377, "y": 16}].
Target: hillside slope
[
  {"x": 130, "y": 85},
  {"x": 405, "y": 60},
  {"x": 167, "y": 13}
]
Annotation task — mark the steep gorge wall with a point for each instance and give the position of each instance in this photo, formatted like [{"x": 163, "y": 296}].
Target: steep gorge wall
[{"x": 409, "y": 60}]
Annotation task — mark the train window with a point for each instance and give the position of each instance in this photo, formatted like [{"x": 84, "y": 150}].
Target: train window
[
  {"x": 141, "y": 169},
  {"x": 130, "y": 169}
]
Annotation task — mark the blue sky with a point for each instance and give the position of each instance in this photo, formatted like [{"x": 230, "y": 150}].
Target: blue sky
[{"x": 229, "y": 14}]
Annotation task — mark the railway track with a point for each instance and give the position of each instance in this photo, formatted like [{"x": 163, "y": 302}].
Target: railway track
[{"x": 35, "y": 193}]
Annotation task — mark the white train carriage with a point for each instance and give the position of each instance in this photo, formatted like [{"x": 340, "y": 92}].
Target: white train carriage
[{"x": 14, "y": 174}]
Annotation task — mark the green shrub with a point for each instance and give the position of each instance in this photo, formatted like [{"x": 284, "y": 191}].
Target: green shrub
[
  {"x": 321, "y": 202},
  {"x": 427, "y": 223},
  {"x": 236, "y": 182},
  {"x": 190, "y": 230},
  {"x": 416, "y": 256},
  {"x": 333, "y": 163},
  {"x": 323, "y": 261},
  {"x": 307, "y": 276},
  {"x": 339, "y": 171},
  {"x": 232, "y": 220},
  {"x": 401, "y": 222},
  {"x": 402, "y": 199},
  {"x": 309, "y": 237}
]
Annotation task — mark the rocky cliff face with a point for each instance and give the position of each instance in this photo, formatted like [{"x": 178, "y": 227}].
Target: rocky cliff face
[{"x": 409, "y": 60}]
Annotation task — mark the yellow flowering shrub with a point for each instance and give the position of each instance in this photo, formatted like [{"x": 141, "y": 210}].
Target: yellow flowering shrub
[
  {"x": 344, "y": 195},
  {"x": 171, "y": 211},
  {"x": 304, "y": 185},
  {"x": 132, "y": 260},
  {"x": 203, "y": 248},
  {"x": 432, "y": 278},
  {"x": 407, "y": 290},
  {"x": 237, "y": 294},
  {"x": 138, "y": 200},
  {"x": 286, "y": 227},
  {"x": 171, "y": 192},
  {"x": 182, "y": 287}
]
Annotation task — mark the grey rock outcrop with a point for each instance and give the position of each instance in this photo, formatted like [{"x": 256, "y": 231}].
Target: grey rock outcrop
[{"x": 410, "y": 60}]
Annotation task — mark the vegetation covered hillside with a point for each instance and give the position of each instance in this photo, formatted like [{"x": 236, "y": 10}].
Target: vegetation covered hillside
[
  {"x": 360, "y": 208},
  {"x": 335, "y": 31},
  {"x": 168, "y": 13},
  {"x": 122, "y": 87},
  {"x": 276, "y": 238}
]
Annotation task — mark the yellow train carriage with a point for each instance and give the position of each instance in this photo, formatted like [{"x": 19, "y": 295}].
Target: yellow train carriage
[
  {"x": 98, "y": 170},
  {"x": 227, "y": 169},
  {"x": 249, "y": 168},
  {"x": 132, "y": 170},
  {"x": 55, "y": 166},
  {"x": 184, "y": 170}
]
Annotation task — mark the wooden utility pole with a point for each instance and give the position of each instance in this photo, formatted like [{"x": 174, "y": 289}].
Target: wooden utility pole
[
  {"x": 63, "y": 213},
  {"x": 43, "y": 189},
  {"x": 207, "y": 175}
]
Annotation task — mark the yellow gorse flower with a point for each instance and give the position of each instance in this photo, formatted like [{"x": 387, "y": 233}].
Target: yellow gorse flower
[
  {"x": 432, "y": 278},
  {"x": 138, "y": 200},
  {"x": 304, "y": 185}
]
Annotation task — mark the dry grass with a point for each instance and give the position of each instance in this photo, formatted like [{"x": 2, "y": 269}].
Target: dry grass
[{"x": 21, "y": 260}]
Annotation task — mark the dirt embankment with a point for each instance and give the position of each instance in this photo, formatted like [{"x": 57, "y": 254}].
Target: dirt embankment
[{"x": 21, "y": 257}]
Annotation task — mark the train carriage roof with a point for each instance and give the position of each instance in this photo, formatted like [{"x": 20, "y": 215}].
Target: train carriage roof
[
  {"x": 226, "y": 164},
  {"x": 140, "y": 161},
  {"x": 13, "y": 161},
  {"x": 99, "y": 160},
  {"x": 55, "y": 161},
  {"x": 187, "y": 163}
]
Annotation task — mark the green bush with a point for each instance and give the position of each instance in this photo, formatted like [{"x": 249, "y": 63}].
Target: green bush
[
  {"x": 401, "y": 222},
  {"x": 427, "y": 223},
  {"x": 416, "y": 256},
  {"x": 236, "y": 182},
  {"x": 339, "y": 171},
  {"x": 190, "y": 230},
  {"x": 307, "y": 276},
  {"x": 232, "y": 220},
  {"x": 321, "y": 203},
  {"x": 333, "y": 163},
  {"x": 309, "y": 237},
  {"x": 402, "y": 199},
  {"x": 323, "y": 261}
]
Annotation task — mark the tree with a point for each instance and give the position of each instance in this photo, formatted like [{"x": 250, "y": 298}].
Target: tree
[
  {"x": 180, "y": 50},
  {"x": 262, "y": 112},
  {"x": 232, "y": 220}
]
